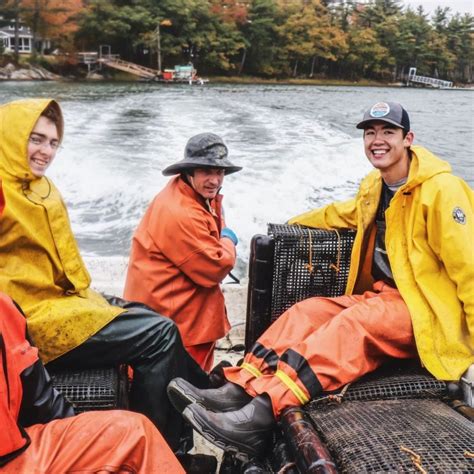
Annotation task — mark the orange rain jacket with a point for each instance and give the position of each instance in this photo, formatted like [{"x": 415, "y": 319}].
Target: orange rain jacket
[
  {"x": 178, "y": 259},
  {"x": 16, "y": 355},
  {"x": 430, "y": 246}
]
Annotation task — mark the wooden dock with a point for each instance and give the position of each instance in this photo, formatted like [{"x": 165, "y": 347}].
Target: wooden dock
[
  {"x": 92, "y": 59},
  {"x": 132, "y": 68}
]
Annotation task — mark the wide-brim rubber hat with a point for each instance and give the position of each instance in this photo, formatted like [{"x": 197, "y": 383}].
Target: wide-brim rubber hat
[
  {"x": 206, "y": 150},
  {"x": 388, "y": 112}
]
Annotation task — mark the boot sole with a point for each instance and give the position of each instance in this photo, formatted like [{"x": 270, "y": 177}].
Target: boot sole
[
  {"x": 221, "y": 442},
  {"x": 178, "y": 397}
]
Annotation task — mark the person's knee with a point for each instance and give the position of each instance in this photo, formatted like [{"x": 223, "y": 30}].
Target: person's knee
[
  {"x": 165, "y": 329},
  {"x": 129, "y": 422},
  {"x": 136, "y": 421}
]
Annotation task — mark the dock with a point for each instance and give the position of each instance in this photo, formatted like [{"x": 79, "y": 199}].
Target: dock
[
  {"x": 141, "y": 71},
  {"x": 95, "y": 61},
  {"x": 427, "y": 81}
]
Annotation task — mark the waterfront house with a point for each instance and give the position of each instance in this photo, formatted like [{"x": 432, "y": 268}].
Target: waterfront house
[{"x": 25, "y": 38}]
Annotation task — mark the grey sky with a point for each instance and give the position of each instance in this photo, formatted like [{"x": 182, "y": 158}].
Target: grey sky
[{"x": 461, "y": 6}]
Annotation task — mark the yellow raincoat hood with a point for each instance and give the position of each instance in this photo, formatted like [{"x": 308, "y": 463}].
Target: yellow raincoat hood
[{"x": 41, "y": 267}]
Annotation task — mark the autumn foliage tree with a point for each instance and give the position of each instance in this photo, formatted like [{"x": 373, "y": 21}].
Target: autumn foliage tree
[
  {"x": 58, "y": 21},
  {"x": 380, "y": 39}
]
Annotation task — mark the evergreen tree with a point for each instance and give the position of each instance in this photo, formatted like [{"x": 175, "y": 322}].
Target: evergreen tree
[
  {"x": 262, "y": 53},
  {"x": 460, "y": 38}
]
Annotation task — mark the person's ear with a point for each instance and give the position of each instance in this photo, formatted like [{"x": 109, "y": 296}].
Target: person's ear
[{"x": 408, "y": 140}]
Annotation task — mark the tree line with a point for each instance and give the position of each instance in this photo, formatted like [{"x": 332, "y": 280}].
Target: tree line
[{"x": 378, "y": 40}]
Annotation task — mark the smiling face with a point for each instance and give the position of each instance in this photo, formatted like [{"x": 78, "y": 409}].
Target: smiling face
[
  {"x": 42, "y": 146},
  {"x": 207, "y": 181},
  {"x": 387, "y": 150}
]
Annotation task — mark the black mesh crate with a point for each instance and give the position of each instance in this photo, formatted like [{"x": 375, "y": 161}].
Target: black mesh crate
[
  {"x": 308, "y": 262},
  {"x": 395, "y": 380},
  {"x": 375, "y": 436},
  {"x": 93, "y": 389},
  {"x": 398, "y": 406},
  {"x": 293, "y": 263}
]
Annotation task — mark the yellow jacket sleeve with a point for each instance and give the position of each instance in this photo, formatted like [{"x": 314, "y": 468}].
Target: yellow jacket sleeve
[{"x": 338, "y": 215}]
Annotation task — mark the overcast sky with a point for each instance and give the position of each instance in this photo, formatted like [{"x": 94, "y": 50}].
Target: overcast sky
[{"x": 461, "y": 6}]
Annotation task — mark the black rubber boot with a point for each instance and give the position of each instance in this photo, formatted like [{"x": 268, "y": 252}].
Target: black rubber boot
[
  {"x": 229, "y": 397},
  {"x": 244, "y": 432},
  {"x": 216, "y": 375},
  {"x": 198, "y": 463}
]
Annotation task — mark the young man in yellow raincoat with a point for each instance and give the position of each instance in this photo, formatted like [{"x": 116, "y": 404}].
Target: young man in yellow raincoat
[
  {"x": 42, "y": 270},
  {"x": 410, "y": 293}
]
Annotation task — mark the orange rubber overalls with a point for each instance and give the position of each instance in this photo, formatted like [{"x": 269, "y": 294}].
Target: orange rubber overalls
[{"x": 321, "y": 344}]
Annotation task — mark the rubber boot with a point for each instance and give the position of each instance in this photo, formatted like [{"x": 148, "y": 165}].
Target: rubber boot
[
  {"x": 229, "y": 397},
  {"x": 198, "y": 463},
  {"x": 244, "y": 432}
]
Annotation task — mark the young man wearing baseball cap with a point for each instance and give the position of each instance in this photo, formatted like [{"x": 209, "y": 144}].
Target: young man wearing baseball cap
[
  {"x": 182, "y": 249},
  {"x": 410, "y": 293}
]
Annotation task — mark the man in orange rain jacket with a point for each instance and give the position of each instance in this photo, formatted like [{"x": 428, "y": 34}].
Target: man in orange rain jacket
[
  {"x": 410, "y": 293},
  {"x": 181, "y": 250},
  {"x": 39, "y": 432}
]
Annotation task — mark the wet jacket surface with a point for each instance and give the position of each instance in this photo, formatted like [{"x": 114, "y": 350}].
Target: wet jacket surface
[
  {"x": 42, "y": 269},
  {"x": 430, "y": 245},
  {"x": 26, "y": 394},
  {"x": 178, "y": 260}
]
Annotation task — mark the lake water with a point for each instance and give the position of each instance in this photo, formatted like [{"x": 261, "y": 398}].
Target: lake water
[{"x": 298, "y": 145}]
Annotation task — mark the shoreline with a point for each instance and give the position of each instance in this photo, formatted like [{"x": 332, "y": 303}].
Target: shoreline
[
  {"x": 250, "y": 81},
  {"x": 28, "y": 72}
]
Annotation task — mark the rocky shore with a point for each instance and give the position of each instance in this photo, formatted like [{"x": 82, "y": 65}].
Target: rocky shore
[{"x": 28, "y": 73}]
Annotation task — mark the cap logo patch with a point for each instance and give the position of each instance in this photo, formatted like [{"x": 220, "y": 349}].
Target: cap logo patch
[
  {"x": 459, "y": 216},
  {"x": 380, "y": 109}
]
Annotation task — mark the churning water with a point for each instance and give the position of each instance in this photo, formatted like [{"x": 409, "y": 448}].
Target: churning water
[{"x": 298, "y": 145}]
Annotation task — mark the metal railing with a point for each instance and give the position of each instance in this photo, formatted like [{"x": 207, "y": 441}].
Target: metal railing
[{"x": 430, "y": 81}]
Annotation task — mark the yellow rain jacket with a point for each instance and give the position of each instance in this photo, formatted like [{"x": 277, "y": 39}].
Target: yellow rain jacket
[
  {"x": 41, "y": 268},
  {"x": 429, "y": 241}
]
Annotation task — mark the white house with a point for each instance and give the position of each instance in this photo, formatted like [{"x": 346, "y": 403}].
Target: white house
[{"x": 25, "y": 39}]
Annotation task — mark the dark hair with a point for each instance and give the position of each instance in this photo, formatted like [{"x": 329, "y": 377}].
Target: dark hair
[
  {"x": 53, "y": 112},
  {"x": 188, "y": 172}
]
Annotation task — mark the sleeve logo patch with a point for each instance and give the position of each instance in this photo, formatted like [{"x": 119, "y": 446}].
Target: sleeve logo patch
[{"x": 459, "y": 216}]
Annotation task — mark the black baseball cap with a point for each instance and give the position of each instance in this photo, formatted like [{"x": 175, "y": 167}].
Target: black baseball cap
[{"x": 390, "y": 112}]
